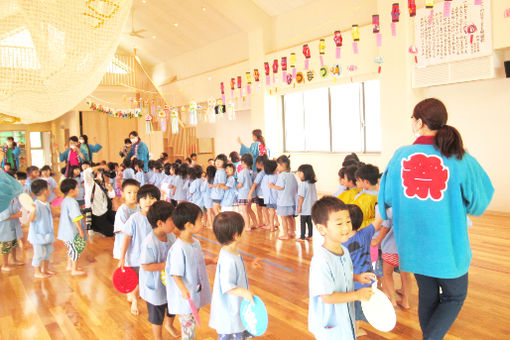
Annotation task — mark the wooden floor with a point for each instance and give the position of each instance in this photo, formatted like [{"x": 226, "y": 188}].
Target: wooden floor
[{"x": 63, "y": 307}]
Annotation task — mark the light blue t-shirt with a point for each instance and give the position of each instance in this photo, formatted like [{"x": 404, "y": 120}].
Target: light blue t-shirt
[
  {"x": 330, "y": 273},
  {"x": 158, "y": 178},
  {"x": 196, "y": 192},
  {"x": 187, "y": 261},
  {"x": 81, "y": 191},
  {"x": 140, "y": 177},
  {"x": 151, "y": 178},
  {"x": 128, "y": 174},
  {"x": 7, "y": 230},
  {"x": 308, "y": 191},
  {"x": 206, "y": 194},
  {"x": 244, "y": 177},
  {"x": 258, "y": 179},
  {"x": 69, "y": 213},
  {"x": 270, "y": 195},
  {"x": 225, "y": 308},
  {"x": 152, "y": 289},
  {"x": 388, "y": 244},
  {"x": 53, "y": 185},
  {"x": 287, "y": 196},
  {"x": 220, "y": 177},
  {"x": 121, "y": 217},
  {"x": 41, "y": 230},
  {"x": 180, "y": 193},
  {"x": 230, "y": 196},
  {"x": 138, "y": 227}
]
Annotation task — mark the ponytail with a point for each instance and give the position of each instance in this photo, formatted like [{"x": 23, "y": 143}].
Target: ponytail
[
  {"x": 449, "y": 142},
  {"x": 258, "y": 133}
]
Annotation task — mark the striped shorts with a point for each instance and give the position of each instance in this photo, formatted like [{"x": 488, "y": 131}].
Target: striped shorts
[{"x": 71, "y": 251}]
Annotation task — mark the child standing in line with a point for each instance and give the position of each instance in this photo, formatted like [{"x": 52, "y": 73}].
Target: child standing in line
[
  {"x": 8, "y": 239},
  {"x": 286, "y": 205},
  {"x": 220, "y": 178},
  {"x": 210, "y": 173},
  {"x": 40, "y": 232},
  {"x": 230, "y": 280},
  {"x": 330, "y": 311},
  {"x": 236, "y": 160},
  {"x": 185, "y": 270},
  {"x": 358, "y": 245},
  {"x": 170, "y": 183},
  {"x": 390, "y": 258},
  {"x": 244, "y": 185},
  {"x": 155, "y": 249},
  {"x": 270, "y": 195},
  {"x": 47, "y": 176},
  {"x": 179, "y": 191},
  {"x": 230, "y": 196},
  {"x": 128, "y": 172},
  {"x": 150, "y": 174},
  {"x": 139, "y": 174},
  {"x": 256, "y": 192},
  {"x": 70, "y": 224},
  {"x": 367, "y": 179},
  {"x": 130, "y": 189},
  {"x": 158, "y": 173},
  {"x": 195, "y": 192},
  {"x": 136, "y": 228},
  {"x": 307, "y": 195}
]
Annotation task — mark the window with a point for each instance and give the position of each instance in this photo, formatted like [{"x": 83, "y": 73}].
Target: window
[
  {"x": 36, "y": 150},
  {"x": 343, "y": 118}
]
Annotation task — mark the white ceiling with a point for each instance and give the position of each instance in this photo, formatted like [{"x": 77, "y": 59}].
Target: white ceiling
[{"x": 277, "y": 7}]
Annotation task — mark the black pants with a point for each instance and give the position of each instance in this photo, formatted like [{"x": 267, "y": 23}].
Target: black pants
[
  {"x": 306, "y": 219},
  {"x": 104, "y": 224},
  {"x": 438, "y": 310}
]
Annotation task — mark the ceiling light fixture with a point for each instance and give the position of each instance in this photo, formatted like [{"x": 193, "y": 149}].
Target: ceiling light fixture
[
  {"x": 153, "y": 37},
  {"x": 176, "y": 24},
  {"x": 204, "y": 9}
]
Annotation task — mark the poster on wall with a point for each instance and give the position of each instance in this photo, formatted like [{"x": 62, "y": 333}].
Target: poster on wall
[{"x": 463, "y": 33}]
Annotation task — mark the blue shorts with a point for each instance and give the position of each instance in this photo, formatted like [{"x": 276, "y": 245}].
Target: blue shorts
[
  {"x": 271, "y": 206},
  {"x": 216, "y": 201},
  {"x": 285, "y": 210}
]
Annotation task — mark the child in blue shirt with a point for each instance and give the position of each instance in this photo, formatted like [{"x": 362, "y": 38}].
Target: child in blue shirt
[
  {"x": 8, "y": 239},
  {"x": 139, "y": 174},
  {"x": 186, "y": 275},
  {"x": 155, "y": 249},
  {"x": 46, "y": 175},
  {"x": 179, "y": 190},
  {"x": 230, "y": 196},
  {"x": 244, "y": 184},
  {"x": 331, "y": 312},
  {"x": 256, "y": 191},
  {"x": 307, "y": 195},
  {"x": 230, "y": 281},
  {"x": 220, "y": 178},
  {"x": 70, "y": 224},
  {"x": 286, "y": 205},
  {"x": 195, "y": 188},
  {"x": 40, "y": 232},
  {"x": 270, "y": 196},
  {"x": 130, "y": 189},
  {"x": 76, "y": 175},
  {"x": 136, "y": 228},
  {"x": 33, "y": 173},
  {"x": 128, "y": 172},
  {"x": 210, "y": 172}
]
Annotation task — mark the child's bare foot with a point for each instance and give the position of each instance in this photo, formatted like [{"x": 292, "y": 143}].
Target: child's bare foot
[
  {"x": 78, "y": 273},
  {"x": 49, "y": 272},
  {"x": 134, "y": 306},
  {"x": 18, "y": 263},
  {"x": 283, "y": 237},
  {"x": 399, "y": 291},
  {"x": 302, "y": 240},
  {"x": 404, "y": 304},
  {"x": 172, "y": 330},
  {"x": 41, "y": 276},
  {"x": 129, "y": 298},
  {"x": 7, "y": 268}
]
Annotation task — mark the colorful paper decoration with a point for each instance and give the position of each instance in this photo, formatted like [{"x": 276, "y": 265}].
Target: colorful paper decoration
[
  {"x": 248, "y": 82},
  {"x": 322, "y": 50},
  {"x": 256, "y": 75},
  {"x": 395, "y": 17},
  {"x": 447, "y": 8},
  {"x": 174, "y": 120},
  {"x": 377, "y": 30},
  {"x": 429, "y": 4},
  {"x": 148, "y": 119},
  {"x": 193, "y": 116},
  {"x": 289, "y": 79},
  {"x": 336, "y": 70},
  {"x": 299, "y": 77},
  {"x": 222, "y": 87},
  {"x": 337, "y": 38},
  {"x": 129, "y": 113},
  {"x": 231, "y": 113},
  {"x": 307, "y": 54},
  {"x": 324, "y": 72},
  {"x": 266, "y": 69},
  {"x": 275, "y": 69},
  {"x": 412, "y": 7},
  {"x": 478, "y": 2},
  {"x": 232, "y": 87},
  {"x": 379, "y": 60},
  {"x": 240, "y": 86},
  {"x": 355, "y": 38},
  {"x": 163, "y": 116},
  {"x": 414, "y": 50},
  {"x": 470, "y": 29},
  {"x": 310, "y": 75},
  {"x": 284, "y": 69},
  {"x": 293, "y": 64}
]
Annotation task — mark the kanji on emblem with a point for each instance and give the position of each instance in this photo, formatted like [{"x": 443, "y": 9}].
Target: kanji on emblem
[{"x": 424, "y": 177}]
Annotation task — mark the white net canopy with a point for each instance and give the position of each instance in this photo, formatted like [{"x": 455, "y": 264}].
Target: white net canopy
[{"x": 53, "y": 53}]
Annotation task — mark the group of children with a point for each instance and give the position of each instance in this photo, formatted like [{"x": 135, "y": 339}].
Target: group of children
[{"x": 164, "y": 208}]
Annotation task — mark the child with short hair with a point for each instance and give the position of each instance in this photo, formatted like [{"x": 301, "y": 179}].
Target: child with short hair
[
  {"x": 46, "y": 174},
  {"x": 155, "y": 249},
  {"x": 179, "y": 191},
  {"x": 136, "y": 228},
  {"x": 236, "y": 160},
  {"x": 230, "y": 281},
  {"x": 211, "y": 162},
  {"x": 33, "y": 173},
  {"x": 245, "y": 182},
  {"x": 307, "y": 195},
  {"x": 257, "y": 194},
  {"x": 70, "y": 224},
  {"x": 220, "y": 178},
  {"x": 128, "y": 172},
  {"x": 76, "y": 175},
  {"x": 287, "y": 186},
  {"x": 158, "y": 173},
  {"x": 230, "y": 196},
  {"x": 186, "y": 269},
  {"x": 8, "y": 237},
  {"x": 367, "y": 179},
  {"x": 139, "y": 174},
  {"x": 195, "y": 190},
  {"x": 270, "y": 195},
  {"x": 331, "y": 312},
  {"x": 40, "y": 232},
  {"x": 210, "y": 173},
  {"x": 130, "y": 189}
]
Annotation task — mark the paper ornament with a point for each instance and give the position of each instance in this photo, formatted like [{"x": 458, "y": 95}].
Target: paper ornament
[
  {"x": 429, "y": 4},
  {"x": 322, "y": 50},
  {"x": 163, "y": 116},
  {"x": 412, "y": 7},
  {"x": 222, "y": 87},
  {"x": 231, "y": 113},
  {"x": 355, "y": 38},
  {"x": 470, "y": 29},
  {"x": 323, "y": 72},
  {"x": 240, "y": 86},
  {"x": 248, "y": 82},
  {"x": 336, "y": 70},
  {"x": 337, "y": 38},
  {"x": 232, "y": 87},
  {"x": 148, "y": 119},
  {"x": 310, "y": 75},
  {"x": 447, "y": 8},
  {"x": 193, "y": 116},
  {"x": 299, "y": 78},
  {"x": 256, "y": 75},
  {"x": 414, "y": 50},
  {"x": 266, "y": 69},
  {"x": 395, "y": 17},
  {"x": 377, "y": 30},
  {"x": 284, "y": 69},
  {"x": 275, "y": 69},
  {"x": 289, "y": 79},
  {"x": 379, "y": 61},
  {"x": 293, "y": 64},
  {"x": 478, "y": 2},
  {"x": 307, "y": 54}
]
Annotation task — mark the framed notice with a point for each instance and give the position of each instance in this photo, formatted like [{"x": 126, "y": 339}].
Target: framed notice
[{"x": 463, "y": 33}]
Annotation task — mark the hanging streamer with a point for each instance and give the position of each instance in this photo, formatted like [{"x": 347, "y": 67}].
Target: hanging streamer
[
  {"x": 240, "y": 86},
  {"x": 266, "y": 70},
  {"x": 447, "y": 8},
  {"x": 336, "y": 71},
  {"x": 429, "y": 4},
  {"x": 307, "y": 54},
  {"x": 337, "y": 38},
  {"x": 355, "y": 38},
  {"x": 232, "y": 87},
  {"x": 162, "y": 118},
  {"x": 395, "y": 17},
  {"x": 148, "y": 119},
  {"x": 412, "y": 7},
  {"x": 222, "y": 87},
  {"x": 414, "y": 50},
  {"x": 377, "y": 30},
  {"x": 379, "y": 61},
  {"x": 248, "y": 82},
  {"x": 275, "y": 70},
  {"x": 174, "y": 120},
  {"x": 293, "y": 64},
  {"x": 231, "y": 113},
  {"x": 322, "y": 50},
  {"x": 284, "y": 69},
  {"x": 193, "y": 116},
  {"x": 478, "y": 2}
]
